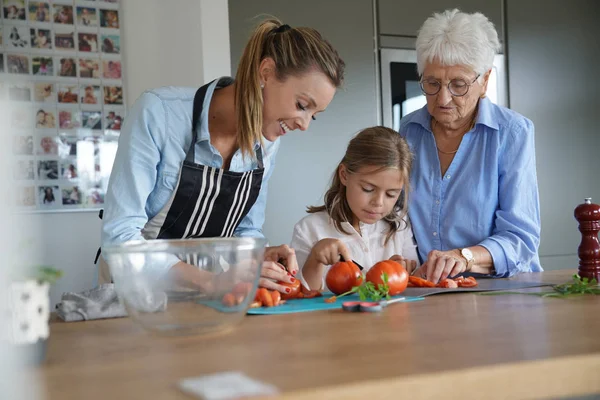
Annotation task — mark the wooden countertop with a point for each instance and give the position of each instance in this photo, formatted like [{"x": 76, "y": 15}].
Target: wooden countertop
[{"x": 447, "y": 346}]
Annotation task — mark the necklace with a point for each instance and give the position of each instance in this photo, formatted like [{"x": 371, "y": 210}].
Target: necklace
[{"x": 449, "y": 152}]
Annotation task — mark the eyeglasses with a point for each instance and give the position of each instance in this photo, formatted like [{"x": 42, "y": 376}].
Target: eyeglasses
[{"x": 457, "y": 87}]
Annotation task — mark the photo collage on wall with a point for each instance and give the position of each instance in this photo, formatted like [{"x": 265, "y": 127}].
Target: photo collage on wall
[{"x": 61, "y": 99}]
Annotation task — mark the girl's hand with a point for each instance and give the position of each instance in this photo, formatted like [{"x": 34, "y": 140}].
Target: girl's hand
[
  {"x": 279, "y": 266},
  {"x": 410, "y": 265},
  {"x": 329, "y": 251}
]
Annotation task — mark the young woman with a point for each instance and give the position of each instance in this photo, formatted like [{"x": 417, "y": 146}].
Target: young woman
[{"x": 196, "y": 162}]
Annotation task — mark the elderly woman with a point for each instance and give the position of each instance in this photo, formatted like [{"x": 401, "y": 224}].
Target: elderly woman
[{"x": 475, "y": 205}]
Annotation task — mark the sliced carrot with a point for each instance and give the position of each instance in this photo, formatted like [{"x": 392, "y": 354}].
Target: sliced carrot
[
  {"x": 420, "y": 282},
  {"x": 276, "y": 296},
  {"x": 228, "y": 300},
  {"x": 264, "y": 297}
]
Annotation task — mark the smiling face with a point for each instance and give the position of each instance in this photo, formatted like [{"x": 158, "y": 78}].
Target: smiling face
[
  {"x": 449, "y": 109},
  {"x": 292, "y": 103},
  {"x": 371, "y": 192}
]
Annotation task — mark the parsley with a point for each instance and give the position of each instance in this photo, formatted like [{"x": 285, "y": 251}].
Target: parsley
[
  {"x": 368, "y": 291},
  {"x": 577, "y": 287}
]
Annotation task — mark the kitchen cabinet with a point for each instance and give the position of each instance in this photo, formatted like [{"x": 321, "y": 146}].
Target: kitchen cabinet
[{"x": 405, "y": 17}]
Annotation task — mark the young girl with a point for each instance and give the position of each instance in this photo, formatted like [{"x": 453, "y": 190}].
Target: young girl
[{"x": 364, "y": 216}]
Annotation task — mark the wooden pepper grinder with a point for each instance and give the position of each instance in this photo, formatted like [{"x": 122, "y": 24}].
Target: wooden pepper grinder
[{"x": 588, "y": 216}]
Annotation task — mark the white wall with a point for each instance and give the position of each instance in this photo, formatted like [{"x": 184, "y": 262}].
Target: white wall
[{"x": 162, "y": 45}]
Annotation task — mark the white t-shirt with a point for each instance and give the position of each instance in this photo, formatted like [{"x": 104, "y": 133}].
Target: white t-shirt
[{"x": 366, "y": 250}]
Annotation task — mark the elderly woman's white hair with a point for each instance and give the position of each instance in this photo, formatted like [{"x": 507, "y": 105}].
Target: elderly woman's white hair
[{"x": 457, "y": 38}]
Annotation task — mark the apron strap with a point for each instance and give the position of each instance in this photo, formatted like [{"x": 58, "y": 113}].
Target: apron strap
[
  {"x": 198, "y": 101},
  {"x": 197, "y": 112}
]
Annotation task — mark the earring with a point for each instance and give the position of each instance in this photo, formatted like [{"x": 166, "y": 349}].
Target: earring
[{"x": 262, "y": 85}]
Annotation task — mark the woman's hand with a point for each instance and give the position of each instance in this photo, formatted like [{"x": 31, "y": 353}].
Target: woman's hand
[
  {"x": 442, "y": 264},
  {"x": 410, "y": 265},
  {"x": 279, "y": 266}
]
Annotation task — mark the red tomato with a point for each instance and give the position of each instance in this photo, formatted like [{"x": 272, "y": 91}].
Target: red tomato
[
  {"x": 295, "y": 290},
  {"x": 396, "y": 274},
  {"x": 342, "y": 277}
]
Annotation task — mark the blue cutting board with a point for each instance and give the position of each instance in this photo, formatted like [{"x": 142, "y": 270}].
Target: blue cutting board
[{"x": 315, "y": 304}]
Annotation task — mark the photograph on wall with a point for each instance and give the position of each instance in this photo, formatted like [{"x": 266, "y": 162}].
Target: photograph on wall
[
  {"x": 88, "y": 42},
  {"x": 48, "y": 146},
  {"x": 25, "y": 196},
  {"x": 17, "y": 36},
  {"x": 69, "y": 119},
  {"x": 23, "y": 145},
  {"x": 19, "y": 92},
  {"x": 66, "y": 67},
  {"x": 68, "y": 93},
  {"x": 42, "y": 66},
  {"x": 64, "y": 40},
  {"x": 90, "y": 94},
  {"x": 24, "y": 170},
  {"x": 40, "y": 38},
  {"x": 45, "y": 119},
  {"x": 17, "y": 64},
  {"x": 67, "y": 146},
  {"x": 69, "y": 170},
  {"x": 109, "y": 19},
  {"x": 111, "y": 69},
  {"x": 47, "y": 169},
  {"x": 91, "y": 120},
  {"x": 113, "y": 120},
  {"x": 49, "y": 195},
  {"x": 61, "y": 75},
  {"x": 110, "y": 44},
  {"x": 44, "y": 92},
  {"x": 63, "y": 14},
  {"x": 113, "y": 95},
  {"x": 39, "y": 11},
  {"x": 20, "y": 118},
  {"x": 14, "y": 10},
  {"x": 86, "y": 16},
  {"x": 71, "y": 195},
  {"x": 89, "y": 68},
  {"x": 95, "y": 196}
]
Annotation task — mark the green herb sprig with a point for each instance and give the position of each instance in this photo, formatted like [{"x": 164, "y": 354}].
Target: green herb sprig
[
  {"x": 368, "y": 291},
  {"x": 577, "y": 287}
]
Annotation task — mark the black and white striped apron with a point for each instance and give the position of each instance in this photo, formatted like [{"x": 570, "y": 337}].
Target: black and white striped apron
[{"x": 207, "y": 201}]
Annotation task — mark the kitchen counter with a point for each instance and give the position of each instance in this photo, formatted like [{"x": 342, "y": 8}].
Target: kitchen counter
[{"x": 448, "y": 346}]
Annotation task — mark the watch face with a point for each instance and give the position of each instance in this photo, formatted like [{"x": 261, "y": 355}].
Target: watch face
[{"x": 468, "y": 254}]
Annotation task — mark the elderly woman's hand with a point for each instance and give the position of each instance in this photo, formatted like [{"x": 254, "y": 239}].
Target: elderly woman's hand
[
  {"x": 410, "y": 265},
  {"x": 442, "y": 264}
]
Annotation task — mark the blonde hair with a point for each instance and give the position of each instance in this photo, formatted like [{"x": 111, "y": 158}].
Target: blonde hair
[
  {"x": 377, "y": 146},
  {"x": 295, "y": 51}
]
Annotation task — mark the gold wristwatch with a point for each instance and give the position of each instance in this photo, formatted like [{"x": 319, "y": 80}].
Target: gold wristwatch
[{"x": 468, "y": 255}]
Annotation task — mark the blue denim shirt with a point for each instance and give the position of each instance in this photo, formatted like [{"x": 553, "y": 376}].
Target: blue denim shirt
[
  {"x": 155, "y": 136},
  {"x": 487, "y": 197}
]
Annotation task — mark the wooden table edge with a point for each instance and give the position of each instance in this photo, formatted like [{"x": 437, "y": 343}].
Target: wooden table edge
[{"x": 541, "y": 379}]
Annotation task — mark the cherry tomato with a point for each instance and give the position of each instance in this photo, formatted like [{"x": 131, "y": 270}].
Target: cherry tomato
[{"x": 294, "y": 290}]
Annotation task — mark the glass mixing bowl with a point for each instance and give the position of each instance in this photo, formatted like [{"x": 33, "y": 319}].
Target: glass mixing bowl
[{"x": 180, "y": 286}]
